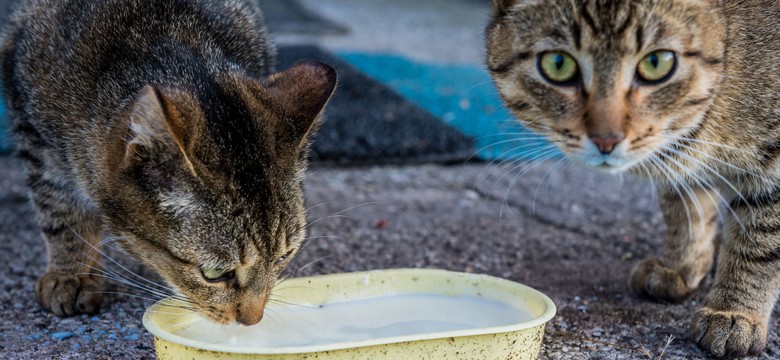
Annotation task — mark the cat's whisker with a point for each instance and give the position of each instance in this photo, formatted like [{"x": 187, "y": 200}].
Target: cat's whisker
[
  {"x": 714, "y": 188},
  {"x": 177, "y": 314},
  {"x": 673, "y": 180},
  {"x": 483, "y": 83},
  {"x": 518, "y": 134},
  {"x": 277, "y": 288},
  {"x": 494, "y": 161},
  {"x": 124, "y": 281},
  {"x": 336, "y": 215},
  {"x": 709, "y": 156},
  {"x": 712, "y": 143},
  {"x": 284, "y": 278},
  {"x": 546, "y": 175},
  {"x": 506, "y": 152},
  {"x": 310, "y": 263},
  {"x": 106, "y": 256},
  {"x": 740, "y": 171},
  {"x": 180, "y": 318},
  {"x": 711, "y": 169},
  {"x": 323, "y": 237},
  {"x": 160, "y": 290},
  {"x": 541, "y": 158},
  {"x": 533, "y": 155},
  {"x": 318, "y": 205},
  {"x": 121, "y": 280},
  {"x": 105, "y": 241},
  {"x": 691, "y": 192},
  {"x": 287, "y": 303},
  {"x": 506, "y": 169},
  {"x": 128, "y": 295}
]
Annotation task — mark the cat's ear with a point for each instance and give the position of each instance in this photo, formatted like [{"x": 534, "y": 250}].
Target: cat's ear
[
  {"x": 501, "y": 7},
  {"x": 155, "y": 123},
  {"x": 302, "y": 91}
]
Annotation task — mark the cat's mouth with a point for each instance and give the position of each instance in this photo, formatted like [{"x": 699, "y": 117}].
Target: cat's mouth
[{"x": 609, "y": 163}]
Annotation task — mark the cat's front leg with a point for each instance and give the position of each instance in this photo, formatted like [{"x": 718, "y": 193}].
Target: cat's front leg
[
  {"x": 735, "y": 316},
  {"x": 689, "y": 247},
  {"x": 71, "y": 284}
]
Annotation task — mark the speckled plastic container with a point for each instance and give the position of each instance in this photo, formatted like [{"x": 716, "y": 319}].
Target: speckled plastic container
[{"x": 517, "y": 341}]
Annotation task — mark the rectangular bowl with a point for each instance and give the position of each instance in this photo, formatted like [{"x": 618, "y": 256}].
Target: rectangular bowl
[{"x": 516, "y": 341}]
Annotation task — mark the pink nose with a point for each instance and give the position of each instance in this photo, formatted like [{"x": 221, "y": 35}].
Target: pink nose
[{"x": 607, "y": 143}]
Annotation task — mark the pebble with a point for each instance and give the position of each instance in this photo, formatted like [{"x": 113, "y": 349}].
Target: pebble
[
  {"x": 69, "y": 321},
  {"x": 62, "y": 335}
]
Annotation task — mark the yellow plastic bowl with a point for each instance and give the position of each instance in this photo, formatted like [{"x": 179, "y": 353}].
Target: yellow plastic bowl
[{"x": 517, "y": 341}]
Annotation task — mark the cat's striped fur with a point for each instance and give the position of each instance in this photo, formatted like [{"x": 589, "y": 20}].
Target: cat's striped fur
[
  {"x": 707, "y": 135},
  {"x": 157, "y": 120}
]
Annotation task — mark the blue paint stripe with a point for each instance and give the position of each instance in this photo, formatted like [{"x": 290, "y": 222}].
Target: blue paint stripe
[
  {"x": 5, "y": 143},
  {"x": 461, "y": 95}
]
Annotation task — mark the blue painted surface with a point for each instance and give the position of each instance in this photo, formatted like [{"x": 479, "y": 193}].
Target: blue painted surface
[
  {"x": 5, "y": 145},
  {"x": 461, "y": 95}
]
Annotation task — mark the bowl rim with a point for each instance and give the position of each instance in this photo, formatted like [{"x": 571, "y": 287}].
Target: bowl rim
[{"x": 151, "y": 324}]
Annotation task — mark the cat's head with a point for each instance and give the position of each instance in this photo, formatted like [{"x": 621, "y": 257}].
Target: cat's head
[
  {"x": 609, "y": 82},
  {"x": 205, "y": 184}
]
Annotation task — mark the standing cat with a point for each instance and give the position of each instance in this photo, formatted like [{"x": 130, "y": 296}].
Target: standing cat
[
  {"x": 683, "y": 91},
  {"x": 156, "y": 120}
]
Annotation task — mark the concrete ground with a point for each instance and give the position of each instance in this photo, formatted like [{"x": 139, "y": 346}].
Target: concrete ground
[{"x": 568, "y": 232}]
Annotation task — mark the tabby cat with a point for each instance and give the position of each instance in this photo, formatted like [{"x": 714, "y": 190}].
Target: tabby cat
[
  {"x": 682, "y": 91},
  {"x": 160, "y": 122}
]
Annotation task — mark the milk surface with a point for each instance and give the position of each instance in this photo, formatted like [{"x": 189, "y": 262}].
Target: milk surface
[{"x": 362, "y": 319}]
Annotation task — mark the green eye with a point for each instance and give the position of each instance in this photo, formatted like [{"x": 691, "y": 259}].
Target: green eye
[
  {"x": 217, "y": 275},
  {"x": 558, "y": 67},
  {"x": 657, "y": 66}
]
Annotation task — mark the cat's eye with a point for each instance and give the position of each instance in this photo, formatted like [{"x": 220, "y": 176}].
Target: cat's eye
[
  {"x": 285, "y": 257},
  {"x": 657, "y": 67},
  {"x": 217, "y": 275},
  {"x": 558, "y": 67}
]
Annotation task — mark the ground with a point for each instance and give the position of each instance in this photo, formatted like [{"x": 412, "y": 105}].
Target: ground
[{"x": 568, "y": 232}]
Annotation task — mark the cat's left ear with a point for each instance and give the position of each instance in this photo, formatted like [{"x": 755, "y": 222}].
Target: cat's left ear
[
  {"x": 154, "y": 123},
  {"x": 302, "y": 91}
]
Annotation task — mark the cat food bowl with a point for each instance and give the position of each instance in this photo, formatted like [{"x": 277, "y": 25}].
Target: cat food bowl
[{"x": 387, "y": 314}]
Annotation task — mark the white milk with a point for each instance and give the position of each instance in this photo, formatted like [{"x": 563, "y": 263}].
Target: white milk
[{"x": 363, "y": 319}]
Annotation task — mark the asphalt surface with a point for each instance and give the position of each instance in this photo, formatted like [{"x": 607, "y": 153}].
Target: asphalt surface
[{"x": 572, "y": 234}]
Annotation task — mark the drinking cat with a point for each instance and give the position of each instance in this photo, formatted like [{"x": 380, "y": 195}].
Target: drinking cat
[
  {"x": 161, "y": 123},
  {"x": 683, "y": 92}
]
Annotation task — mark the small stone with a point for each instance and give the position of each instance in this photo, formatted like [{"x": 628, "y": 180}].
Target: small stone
[{"x": 61, "y": 335}]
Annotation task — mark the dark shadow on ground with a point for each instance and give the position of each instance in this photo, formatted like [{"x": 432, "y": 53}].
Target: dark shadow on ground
[{"x": 367, "y": 122}]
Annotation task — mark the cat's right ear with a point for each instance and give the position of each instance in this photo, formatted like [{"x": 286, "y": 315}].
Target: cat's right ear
[
  {"x": 501, "y": 7},
  {"x": 154, "y": 124},
  {"x": 303, "y": 90}
]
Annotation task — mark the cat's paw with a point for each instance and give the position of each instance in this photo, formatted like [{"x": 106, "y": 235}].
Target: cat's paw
[
  {"x": 729, "y": 333},
  {"x": 66, "y": 295},
  {"x": 651, "y": 279}
]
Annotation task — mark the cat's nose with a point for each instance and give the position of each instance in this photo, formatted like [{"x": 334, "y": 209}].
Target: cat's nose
[
  {"x": 251, "y": 307},
  {"x": 249, "y": 318},
  {"x": 607, "y": 142}
]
